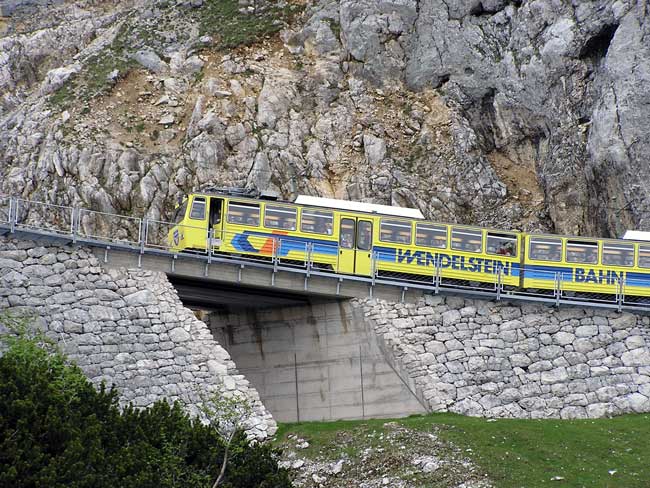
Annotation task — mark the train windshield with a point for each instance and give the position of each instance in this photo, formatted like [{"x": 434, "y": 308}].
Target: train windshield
[{"x": 179, "y": 215}]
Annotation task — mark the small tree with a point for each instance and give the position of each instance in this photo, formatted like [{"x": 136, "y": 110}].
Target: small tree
[{"x": 226, "y": 414}]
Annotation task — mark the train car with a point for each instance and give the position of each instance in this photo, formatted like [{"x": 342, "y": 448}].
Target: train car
[
  {"x": 377, "y": 240},
  {"x": 586, "y": 265},
  {"x": 347, "y": 237},
  {"x": 456, "y": 253}
]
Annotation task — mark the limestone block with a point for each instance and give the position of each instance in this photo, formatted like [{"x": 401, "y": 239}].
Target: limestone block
[
  {"x": 625, "y": 321},
  {"x": 556, "y": 375},
  {"x": 636, "y": 357},
  {"x": 450, "y": 317},
  {"x": 103, "y": 313},
  {"x": 435, "y": 347},
  {"x": 564, "y": 338},
  {"x": 586, "y": 331},
  {"x": 635, "y": 342},
  {"x": 140, "y": 298},
  {"x": 573, "y": 412}
]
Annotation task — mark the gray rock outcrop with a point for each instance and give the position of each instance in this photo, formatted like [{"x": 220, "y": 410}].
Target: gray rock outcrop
[{"x": 504, "y": 113}]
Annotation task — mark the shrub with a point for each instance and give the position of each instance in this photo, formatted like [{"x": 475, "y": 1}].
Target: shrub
[{"x": 57, "y": 430}]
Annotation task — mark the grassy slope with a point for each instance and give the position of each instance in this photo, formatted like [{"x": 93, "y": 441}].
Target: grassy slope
[{"x": 526, "y": 453}]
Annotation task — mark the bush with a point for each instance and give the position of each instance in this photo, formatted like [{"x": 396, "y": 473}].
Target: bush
[{"x": 57, "y": 430}]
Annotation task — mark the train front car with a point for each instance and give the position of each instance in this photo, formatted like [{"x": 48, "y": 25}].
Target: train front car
[
  {"x": 196, "y": 218},
  {"x": 591, "y": 268}
]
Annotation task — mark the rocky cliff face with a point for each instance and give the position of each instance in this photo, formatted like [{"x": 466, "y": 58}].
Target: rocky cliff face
[{"x": 526, "y": 114}]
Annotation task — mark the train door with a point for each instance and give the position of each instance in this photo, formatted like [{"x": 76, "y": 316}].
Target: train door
[
  {"x": 215, "y": 222},
  {"x": 355, "y": 245}
]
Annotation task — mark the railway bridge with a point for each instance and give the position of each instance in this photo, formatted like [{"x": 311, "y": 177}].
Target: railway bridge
[{"x": 322, "y": 345}]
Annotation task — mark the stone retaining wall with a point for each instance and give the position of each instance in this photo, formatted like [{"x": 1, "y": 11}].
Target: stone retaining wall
[
  {"x": 499, "y": 360},
  {"x": 127, "y": 328}
]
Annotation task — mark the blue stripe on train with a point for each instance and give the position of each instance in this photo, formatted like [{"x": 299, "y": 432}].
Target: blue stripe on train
[{"x": 288, "y": 243}]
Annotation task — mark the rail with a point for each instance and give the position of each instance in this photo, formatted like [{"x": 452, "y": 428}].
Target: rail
[{"x": 280, "y": 253}]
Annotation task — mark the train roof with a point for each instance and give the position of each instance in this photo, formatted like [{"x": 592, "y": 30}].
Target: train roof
[
  {"x": 411, "y": 213},
  {"x": 636, "y": 235}
]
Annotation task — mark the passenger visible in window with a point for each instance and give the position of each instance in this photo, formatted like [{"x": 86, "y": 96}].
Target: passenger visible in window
[
  {"x": 591, "y": 255},
  {"x": 328, "y": 228},
  {"x": 506, "y": 249}
]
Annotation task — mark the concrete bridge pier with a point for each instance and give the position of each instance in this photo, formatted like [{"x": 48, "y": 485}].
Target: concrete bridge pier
[{"x": 314, "y": 362}]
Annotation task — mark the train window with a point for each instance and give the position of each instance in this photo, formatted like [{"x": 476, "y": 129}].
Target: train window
[
  {"x": 644, "y": 256},
  {"x": 430, "y": 235},
  {"x": 276, "y": 217},
  {"x": 180, "y": 212},
  {"x": 545, "y": 249},
  {"x": 397, "y": 231},
  {"x": 581, "y": 252},
  {"x": 618, "y": 254},
  {"x": 501, "y": 244},
  {"x": 346, "y": 238},
  {"x": 466, "y": 239},
  {"x": 316, "y": 221},
  {"x": 364, "y": 235},
  {"x": 198, "y": 208},
  {"x": 244, "y": 213}
]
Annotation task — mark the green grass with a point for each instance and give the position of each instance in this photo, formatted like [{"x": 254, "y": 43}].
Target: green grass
[
  {"x": 92, "y": 80},
  {"x": 222, "y": 19},
  {"x": 521, "y": 453}
]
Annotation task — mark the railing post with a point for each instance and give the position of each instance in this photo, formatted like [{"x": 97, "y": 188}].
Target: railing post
[
  {"x": 13, "y": 212},
  {"x": 558, "y": 289},
  {"x": 499, "y": 278},
  {"x": 207, "y": 265},
  {"x": 75, "y": 224},
  {"x": 309, "y": 257},
  {"x": 274, "y": 257},
  {"x": 620, "y": 293},
  {"x": 373, "y": 266},
  {"x": 143, "y": 238},
  {"x": 437, "y": 279}
]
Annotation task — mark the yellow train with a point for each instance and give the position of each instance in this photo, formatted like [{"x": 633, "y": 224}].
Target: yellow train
[{"x": 377, "y": 240}]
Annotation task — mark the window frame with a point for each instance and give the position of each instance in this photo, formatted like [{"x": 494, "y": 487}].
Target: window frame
[
  {"x": 432, "y": 225},
  {"x": 397, "y": 223},
  {"x": 356, "y": 243},
  {"x": 181, "y": 211},
  {"x": 505, "y": 236},
  {"x": 309, "y": 210},
  {"x": 466, "y": 231},
  {"x": 545, "y": 240},
  {"x": 199, "y": 200},
  {"x": 643, "y": 248},
  {"x": 244, "y": 205},
  {"x": 353, "y": 244},
  {"x": 281, "y": 209},
  {"x": 613, "y": 245},
  {"x": 574, "y": 242}
]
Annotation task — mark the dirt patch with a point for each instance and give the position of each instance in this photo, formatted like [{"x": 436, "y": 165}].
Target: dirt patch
[{"x": 389, "y": 456}]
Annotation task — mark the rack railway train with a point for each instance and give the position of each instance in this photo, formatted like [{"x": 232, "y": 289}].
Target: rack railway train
[{"x": 370, "y": 240}]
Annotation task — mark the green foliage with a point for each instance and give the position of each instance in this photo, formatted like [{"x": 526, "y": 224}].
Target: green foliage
[
  {"x": 57, "y": 430},
  {"x": 93, "y": 79},
  {"x": 232, "y": 28}
]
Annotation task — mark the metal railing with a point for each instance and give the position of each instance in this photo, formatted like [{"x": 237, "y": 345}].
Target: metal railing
[
  {"x": 91, "y": 224},
  {"x": 289, "y": 253},
  {"x": 27, "y": 214},
  {"x": 6, "y": 210}
]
